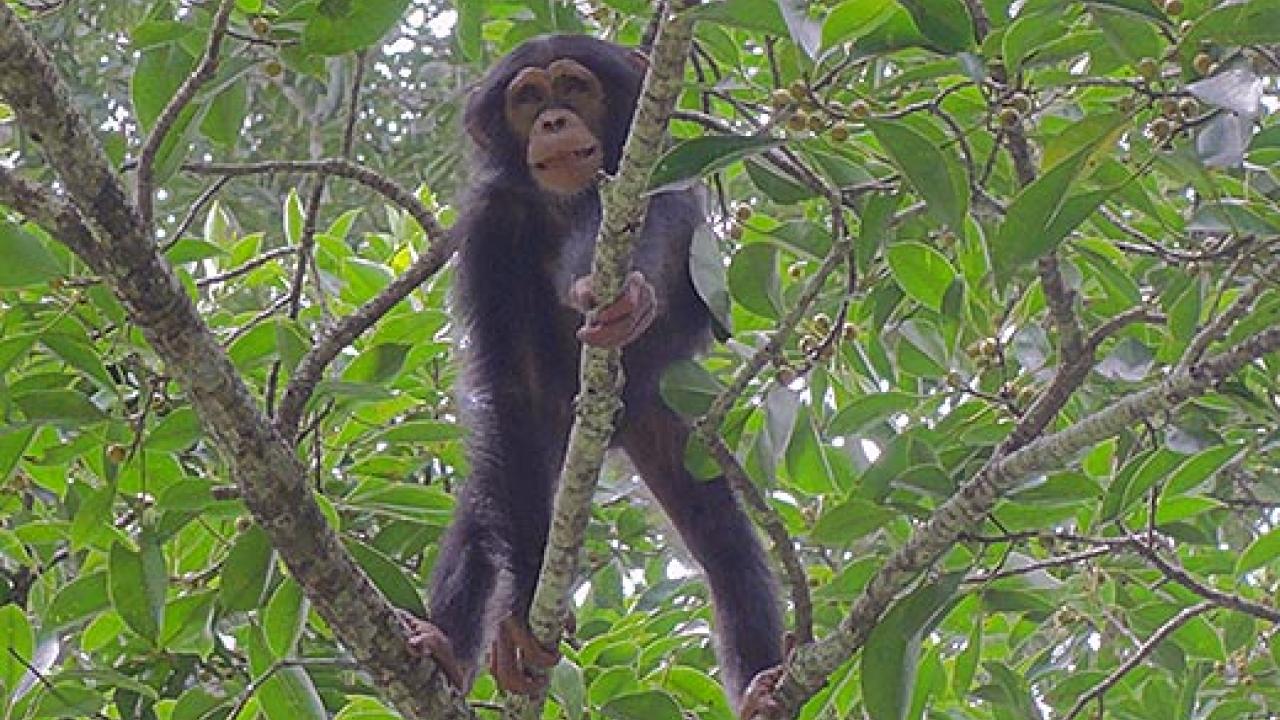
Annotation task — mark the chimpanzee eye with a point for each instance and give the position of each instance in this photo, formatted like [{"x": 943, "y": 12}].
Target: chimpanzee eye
[
  {"x": 529, "y": 95},
  {"x": 571, "y": 85}
]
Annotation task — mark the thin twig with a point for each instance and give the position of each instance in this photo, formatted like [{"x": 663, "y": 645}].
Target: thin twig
[{"x": 144, "y": 172}]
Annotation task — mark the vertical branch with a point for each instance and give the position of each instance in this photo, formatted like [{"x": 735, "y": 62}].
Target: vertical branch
[
  {"x": 624, "y": 204},
  {"x": 144, "y": 176}
]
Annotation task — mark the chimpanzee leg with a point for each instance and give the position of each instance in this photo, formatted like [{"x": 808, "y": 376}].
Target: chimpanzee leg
[
  {"x": 720, "y": 537},
  {"x": 462, "y": 583}
]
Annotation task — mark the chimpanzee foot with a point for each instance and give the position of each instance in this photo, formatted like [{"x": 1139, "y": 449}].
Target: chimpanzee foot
[
  {"x": 758, "y": 701},
  {"x": 516, "y": 654},
  {"x": 428, "y": 639},
  {"x": 620, "y": 322}
]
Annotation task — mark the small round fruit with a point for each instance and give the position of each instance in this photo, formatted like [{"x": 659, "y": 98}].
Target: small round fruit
[
  {"x": 849, "y": 332},
  {"x": 736, "y": 231},
  {"x": 1203, "y": 63},
  {"x": 261, "y": 25},
  {"x": 1148, "y": 68},
  {"x": 1020, "y": 102},
  {"x": 743, "y": 213},
  {"x": 1188, "y": 107},
  {"x": 808, "y": 344},
  {"x": 786, "y": 375},
  {"x": 244, "y": 523},
  {"x": 781, "y": 98},
  {"x": 1169, "y": 107},
  {"x": 815, "y": 123},
  {"x": 272, "y": 68},
  {"x": 822, "y": 323},
  {"x": 117, "y": 454},
  {"x": 988, "y": 347},
  {"x": 1160, "y": 128},
  {"x": 795, "y": 271},
  {"x": 1010, "y": 117},
  {"x": 840, "y": 132},
  {"x": 1173, "y": 7},
  {"x": 798, "y": 88},
  {"x": 798, "y": 121},
  {"x": 859, "y": 109}
]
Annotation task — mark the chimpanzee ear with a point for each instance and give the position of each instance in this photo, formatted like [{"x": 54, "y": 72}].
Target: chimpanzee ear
[
  {"x": 639, "y": 59},
  {"x": 473, "y": 119}
]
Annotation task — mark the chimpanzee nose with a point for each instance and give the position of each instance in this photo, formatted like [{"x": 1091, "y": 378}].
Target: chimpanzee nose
[{"x": 554, "y": 121}]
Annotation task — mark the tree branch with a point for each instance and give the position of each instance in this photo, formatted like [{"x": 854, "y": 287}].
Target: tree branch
[
  {"x": 624, "y": 205},
  {"x": 272, "y": 480},
  {"x": 976, "y": 498}
]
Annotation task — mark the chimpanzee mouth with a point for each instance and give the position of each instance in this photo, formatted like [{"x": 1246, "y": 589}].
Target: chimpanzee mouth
[{"x": 571, "y": 156}]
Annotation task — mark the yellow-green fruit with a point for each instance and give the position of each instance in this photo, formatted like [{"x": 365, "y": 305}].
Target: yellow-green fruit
[
  {"x": 1169, "y": 107},
  {"x": 795, "y": 271},
  {"x": 1160, "y": 129},
  {"x": 743, "y": 212},
  {"x": 822, "y": 323},
  {"x": 798, "y": 88},
  {"x": 815, "y": 123},
  {"x": 1020, "y": 102},
  {"x": 1009, "y": 117},
  {"x": 786, "y": 375},
  {"x": 736, "y": 232},
  {"x": 117, "y": 454},
  {"x": 859, "y": 109},
  {"x": 798, "y": 121},
  {"x": 849, "y": 332},
  {"x": 1203, "y": 63},
  {"x": 1173, "y": 7},
  {"x": 840, "y": 132},
  {"x": 1148, "y": 68},
  {"x": 1188, "y": 107},
  {"x": 261, "y": 25},
  {"x": 272, "y": 68},
  {"x": 808, "y": 344},
  {"x": 780, "y": 98},
  {"x": 243, "y": 523}
]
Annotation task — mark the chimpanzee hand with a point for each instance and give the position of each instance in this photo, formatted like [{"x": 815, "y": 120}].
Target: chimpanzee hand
[
  {"x": 758, "y": 702},
  {"x": 620, "y": 322},
  {"x": 516, "y": 651},
  {"x": 429, "y": 639}
]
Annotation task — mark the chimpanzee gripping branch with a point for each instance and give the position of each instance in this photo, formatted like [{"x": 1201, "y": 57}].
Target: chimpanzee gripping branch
[
  {"x": 624, "y": 205},
  {"x": 111, "y": 237}
]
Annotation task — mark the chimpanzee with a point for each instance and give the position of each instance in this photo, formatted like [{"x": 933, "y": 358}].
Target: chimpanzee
[{"x": 545, "y": 122}]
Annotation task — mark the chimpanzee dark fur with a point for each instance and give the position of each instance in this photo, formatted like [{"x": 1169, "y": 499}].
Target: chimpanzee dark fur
[{"x": 521, "y": 248}]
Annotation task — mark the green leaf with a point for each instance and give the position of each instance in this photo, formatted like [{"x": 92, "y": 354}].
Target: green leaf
[
  {"x": 689, "y": 388},
  {"x": 852, "y": 19},
  {"x": 59, "y": 407},
  {"x": 806, "y": 457},
  {"x": 284, "y": 618},
  {"x": 77, "y": 600},
  {"x": 1260, "y": 552},
  {"x": 864, "y": 410},
  {"x": 753, "y": 280},
  {"x": 26, "y": 260},
  {"x": 935, "y": 174},
  {"x": 778, "y": 188},
  {"x": 849, "y": 521},
  {"x": 157, "y": 76},
  {"x": 178, "y": 430},
  {"x": 134, "y": 589},
  {"x": 759, "y": 15},
  {"x": 944, "y": 23},
  {"x": 470, "y": 29},
  {"x": 710, "y": 279},
  {"x": 687, "y": 162},
  {"x": 379, "y": 364},
  {"x": 340, "y": 26},
  {"x": 224, "y": 118},
  {"x": 891, "y": 657},
  {"x": 17, "y": 645},
  {"x": 1253, "y": 23},
  {"x": 246, "y": 570},
  {"x": 388, "y": 577},
  {"x": 288, "y": 693},
  {"x": 923, "y": 273},
  {"x": 648, "y": 705},
  {"x": 414, "y": 432}
]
